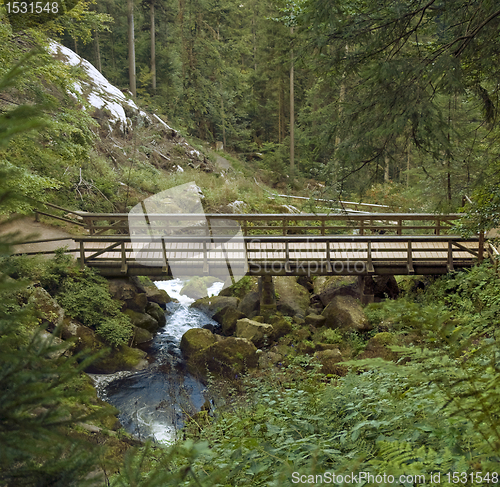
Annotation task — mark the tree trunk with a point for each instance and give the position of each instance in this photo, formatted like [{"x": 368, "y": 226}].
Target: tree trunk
[
  {"x": 131, "y": 47},
  {"x": 98, "y": 51},
  {"x": 292, "y": 114},
  {"x": 386, "y": 171},
  {"x": 153, "y": 48}
]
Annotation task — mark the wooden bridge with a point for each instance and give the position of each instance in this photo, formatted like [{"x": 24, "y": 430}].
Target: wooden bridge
[{"x": 276, "y": 244}]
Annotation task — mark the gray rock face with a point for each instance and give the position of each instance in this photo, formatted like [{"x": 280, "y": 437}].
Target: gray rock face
[
  {"x": 51, "y": 313},
  {"x": 346, "y": 313},
  {"x": 257, "y": 333}
]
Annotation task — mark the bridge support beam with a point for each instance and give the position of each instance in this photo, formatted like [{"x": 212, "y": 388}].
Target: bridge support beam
[
  {"x": 267, "y": 296},
  {"x": 366, "y": 287}
]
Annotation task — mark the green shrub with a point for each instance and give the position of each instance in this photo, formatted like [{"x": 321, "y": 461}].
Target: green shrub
[{"x": 115, "y": 331}]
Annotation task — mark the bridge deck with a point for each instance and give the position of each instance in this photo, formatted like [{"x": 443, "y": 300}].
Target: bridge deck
[{"x": 291, "y": 255}]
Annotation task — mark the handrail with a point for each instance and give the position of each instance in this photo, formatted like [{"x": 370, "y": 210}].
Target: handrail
[{"x": 286, "y": 223}]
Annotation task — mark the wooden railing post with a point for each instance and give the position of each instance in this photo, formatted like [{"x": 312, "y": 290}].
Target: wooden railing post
[
  {"x": 123, "y": 269},
  {"x": 82, "y": 254},
  {"x": 400, "y": 227},
  {"x": 437, "y": 230},
  {"x": 369, "y": 264},
  {"x": 480, "y": 253},
  {"x": 205, "y": 258},
  {"x": 450, "y": 265},
  {"x": 409, "y": 264}
]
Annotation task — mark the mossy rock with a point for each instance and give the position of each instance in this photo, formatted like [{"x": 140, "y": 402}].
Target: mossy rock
[
  {"x": 156, "y": 311},
  {"x": 229, "y": 358},
  {"x": 137, "y": 303},
  {"x": 142, "y": 320},
  {"x": 51, "y": 314},
  {"x": 112, "y": 360},
  {"x": 258, "y": 333},
  {"x": 330, "y": 361},
  {"x": 241, "y": 288},
  {"x": 141, "y": 336},
  {"x": 195, "y": 340},
  {"x": 123, "y": 358},
  {"x": 269, "y": 359},
  {"x": 195, "y": 288},
  {"x": 153, "y": 294},
  {"x": 315, "y": 320},
  {"x": 227, "y": 318},
  {"x": 122, "y": 289},
  {"x": 281, "y": 327},
  {"x": 379, "y": 346},
  {"x": 213, "y": 304}
]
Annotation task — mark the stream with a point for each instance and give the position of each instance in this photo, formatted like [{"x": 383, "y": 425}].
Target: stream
[{"x": 153, "y": 402}]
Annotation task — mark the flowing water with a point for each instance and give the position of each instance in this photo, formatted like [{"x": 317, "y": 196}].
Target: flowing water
[{"x": 154, "y": 401}]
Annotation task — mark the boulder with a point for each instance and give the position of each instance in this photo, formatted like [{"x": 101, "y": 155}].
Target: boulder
[
  {"x": 195, "y": 288},
  {"x": 141, "y": 336},
  {"x": 153, "y": 294},
  {"x": 315, "y": 320},
  {"x": 330, "y": 359},
  {"x": 157, "y": 312},
  {"x": 281, "y": 327},
  {"x": 229, "y": 357},
  {"x": 210, "y": 305},
  {"x": 122, "y": 289},
  {"x": 47, "y": 340},
  {"x": 195, "y": 340},
  {"x": 227, "y": 317},
  {"x": 293, "y": 298},
  {"x": 241, "y": 288},
  {"x": 327, "y": 287},
  {"x": 123, "y": 358},
  {"x": 70, "y": 328},
  {"x": 268, "y": 359},
  {"x": 51, "y": 313},
  {"x": 142, "y": 320},
  {"x": 386, "y": 287},
  {"x": 114, "y": 360},
  {"x": 379, "y": 346},
  {"x": 346, "y": 313},
  {"x": 137, "y": 303},
  {"x": 258, "y": 333},
  {"x": 250, "y": 304}
]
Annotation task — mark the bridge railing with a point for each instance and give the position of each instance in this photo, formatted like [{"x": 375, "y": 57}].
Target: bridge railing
[{"x": 277, "y": 224}]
